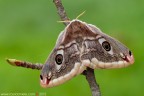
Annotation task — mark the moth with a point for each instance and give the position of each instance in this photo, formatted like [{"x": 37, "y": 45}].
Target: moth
[{"x": 79, "y": 46}]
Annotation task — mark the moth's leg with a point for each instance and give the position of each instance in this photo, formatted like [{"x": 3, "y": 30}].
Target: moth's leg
[{"x": 24, "y": 64}]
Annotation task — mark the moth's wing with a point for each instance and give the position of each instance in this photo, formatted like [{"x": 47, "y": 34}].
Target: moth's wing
[
  {"x": 95, "y": 56},
  {"x": 54, "y": 73}
]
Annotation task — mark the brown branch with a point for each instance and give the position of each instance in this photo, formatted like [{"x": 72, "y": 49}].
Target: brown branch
[
  {"x": 24, "y": 64},
  {"x": 89, "y": 73},
  {"x": 61, "y": 11}
]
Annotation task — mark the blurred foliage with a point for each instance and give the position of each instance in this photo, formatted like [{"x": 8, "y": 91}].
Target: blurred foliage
[{"x": 29, "y": 29}]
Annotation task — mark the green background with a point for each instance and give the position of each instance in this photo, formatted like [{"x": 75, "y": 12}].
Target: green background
[{"x": 29, "y": 29}]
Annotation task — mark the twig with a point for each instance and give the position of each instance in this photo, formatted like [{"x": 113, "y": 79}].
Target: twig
[
  {"x": 24, "y": 64},
  {"x": 61, "y": 11},
  {"x": 89, "y": 73}
]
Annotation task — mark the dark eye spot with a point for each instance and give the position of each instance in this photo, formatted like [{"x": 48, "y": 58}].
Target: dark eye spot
[
  {"x": 130, "y": 53},
  {"x": 41, "y": 77},
  {"x": 106, "y": 46},
  {"x": 59, "y": 59}
]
